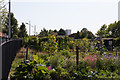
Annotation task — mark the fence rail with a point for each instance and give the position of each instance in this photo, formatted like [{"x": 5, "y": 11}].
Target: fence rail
[
  {"x": 9, "y": 49},
  {"x": 3, "y": 39}
]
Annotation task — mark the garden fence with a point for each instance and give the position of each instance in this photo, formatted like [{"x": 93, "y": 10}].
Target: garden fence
[{"x": 8, "y": 52}]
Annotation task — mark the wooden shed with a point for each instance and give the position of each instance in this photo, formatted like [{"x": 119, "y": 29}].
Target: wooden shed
[{"x": 108, "y": 42}]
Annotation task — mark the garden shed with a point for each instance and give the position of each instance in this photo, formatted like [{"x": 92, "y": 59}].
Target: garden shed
[{"x": 108, "y": 42}]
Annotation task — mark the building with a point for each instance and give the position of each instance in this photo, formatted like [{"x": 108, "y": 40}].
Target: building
[
  {"x": 118, "y": 10},
  {"x": 68, "y": 31}
]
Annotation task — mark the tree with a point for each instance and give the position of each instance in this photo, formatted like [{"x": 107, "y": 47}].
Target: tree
[
  {"x": 84, "y": 30},
  {"x": 22, "y": 31},
  {"x": 43, "y": 32},
  {"x": 14, "y": 26},
  {"x": 55, "y": 31},
  {"x": 3, "y": 14},
  {"x": 51, "y": 32},
  {"x": 90, "y": 35},
  {"x": 113, "y": 30},
  {"x": 110, "y": 29},
  {"x": 86, "y": 34},
  {"x": 102, "y": 31},
  {"x": 116, "y": 30},
  {"x": 83, "y": 33},
  {"x": 61, "y": 32},
  {"x": 77, "y": 36}
]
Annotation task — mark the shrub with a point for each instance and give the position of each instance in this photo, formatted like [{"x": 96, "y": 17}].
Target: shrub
[
  {"x": 30, "y": 70},
  {"x": 51, "y": 46},
  {"x": 65, "y": 53},
  {"x": 54, "y": 75}
]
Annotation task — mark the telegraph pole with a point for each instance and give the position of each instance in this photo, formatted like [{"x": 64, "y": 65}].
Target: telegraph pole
[{"x": 9, "y": 36}]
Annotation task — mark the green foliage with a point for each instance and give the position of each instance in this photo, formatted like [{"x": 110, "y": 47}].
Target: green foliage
[
  {"x": 54, "y": 75},
  {"x": 117, "y": 41},
  {"x": 61, "y": 32},
  {"x": 65, "y": 53},
  {"x": 54, "y": 61},
  {"x": 71, "y": 45},
  {"x": 99, "y": 64},
  {"x": 116, "y": 29},
  {"x": 90, "y": 35},
  {"x": 94, "y": 63},
  {"x": 60, "y": 43},
  {"x": 107, "y": 63},
  {"x": 3, "y": 14},
  {"x": 24, "y": 70},
  {"x": 83, "y": 44},
  {"x": 63, "y": 43},
  {"x": 23, "y": 32},
  {"x": 43, "y": 32},
  {"x": 30, "y": 70},
  {"x": 112, "y": 31},
  {"x": 64, "y": 69},
  {"x": 51, "y": 46},
  {"x": 14, "y": 26},
  {"x": 102, "y": 31},
  {"x": 40, "y": 72},
  {"x": 86, "y": 34},
  {"x": 77, "y": 36}
]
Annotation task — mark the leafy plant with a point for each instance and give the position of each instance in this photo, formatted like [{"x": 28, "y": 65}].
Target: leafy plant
[
  {"x": 30, "y": 70},
  {"x": 65, "y": 53}
]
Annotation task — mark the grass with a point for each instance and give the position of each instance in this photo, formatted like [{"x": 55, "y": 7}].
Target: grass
[{"x": 20, "y": 56}]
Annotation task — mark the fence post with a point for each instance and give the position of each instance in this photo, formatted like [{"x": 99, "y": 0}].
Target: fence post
[
  {"x": 27, "y": 53},
  {"x": 77, "y": 56}
]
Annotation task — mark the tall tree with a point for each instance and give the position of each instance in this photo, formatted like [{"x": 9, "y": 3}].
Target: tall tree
[
  {"x": 86, "y": 34},
  {"x": 22, "y": 31},
  {"x": 116, "y": 30},
  {"x": 83, "y": 33},
  {"x": 61, "y": 32},
  {"x": 14, "y": 26},
  {"x": 43, "y": 32},
  {"x": 111, "y": 28},
  {"x": 102, "y": 31}
]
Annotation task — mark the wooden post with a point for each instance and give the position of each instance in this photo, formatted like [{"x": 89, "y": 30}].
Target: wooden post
[
  {"x": 116, "y": 52},
  {"x": 27, "y": 53},
  {"x": 77, "y": 56}
]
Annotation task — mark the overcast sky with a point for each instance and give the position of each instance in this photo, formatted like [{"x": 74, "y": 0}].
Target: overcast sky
[
  {"x": 66, "y": 14},
  {"x": 64, "y": 0}
]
